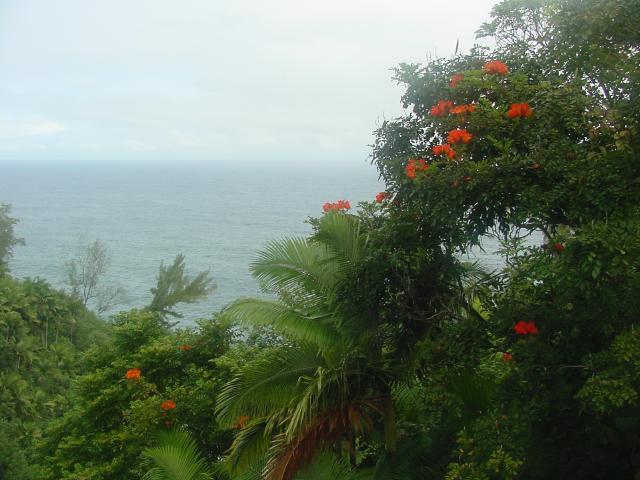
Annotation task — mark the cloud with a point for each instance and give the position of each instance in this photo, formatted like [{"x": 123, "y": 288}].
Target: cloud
[
  {"x": 223, "y": 79},
  {"x": 33, "y": 127},
  {"x": 43, "y": 127}
]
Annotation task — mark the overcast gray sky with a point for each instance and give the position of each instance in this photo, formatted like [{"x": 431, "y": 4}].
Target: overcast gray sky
[{"x": 212, "y": 80}]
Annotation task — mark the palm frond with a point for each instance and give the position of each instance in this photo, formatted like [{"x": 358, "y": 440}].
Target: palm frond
[
  {"x": 473, "y": 283},
  {"x": 317, "y": 328},
  {"x": 268, "y": 383},
  {"x": 341, "y": 233},
  {"x": 295, "y": 265},
  {"x": 409, "y": 397},
  {"x": 176, "y": 457},
  {"x": 325, "y": 387},
  {"x": 253, "y": 471},
  {"x": 248, "y": 450}
]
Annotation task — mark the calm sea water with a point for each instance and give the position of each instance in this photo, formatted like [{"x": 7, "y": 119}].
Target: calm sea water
[{"x": 218, "y": 215}]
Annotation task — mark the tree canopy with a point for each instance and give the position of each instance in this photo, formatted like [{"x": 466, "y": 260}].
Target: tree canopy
[{"x": 8, "y": 240}]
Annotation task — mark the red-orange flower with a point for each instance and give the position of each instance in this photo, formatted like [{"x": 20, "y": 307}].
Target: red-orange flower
[
  {"x": 337, "y": 206},
  {"x": 507, "y": 357},
  {"x": 381, "y": 196},
  {"x": 462, "y": 109},
  {"x": 133, "y": 374},
  {"x": 414, "y": 166},
  {"x": 242, "y": 421},
  {"x": 457, "y": 78},
  {"x": 184, "y": 348},
  {"x": 443, "y": 150},
  {"x": 525, "y": 328},
  {"x": 168, "y": 405},
  {"x": 441, "y": 108},
  {"x": 459, "y": 135},
  {"x": 496, "y": 66},
  {"x": 558, "y": 247},
  {"x": 519, "y": 110}
]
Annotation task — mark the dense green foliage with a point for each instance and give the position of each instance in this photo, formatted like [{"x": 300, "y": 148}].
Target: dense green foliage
[
  {"x": 103, "y": 436},
  {"x": 382, "y": 354},
  {"x": 42, "y": 335},
  {"x": 55, "y": 419}
]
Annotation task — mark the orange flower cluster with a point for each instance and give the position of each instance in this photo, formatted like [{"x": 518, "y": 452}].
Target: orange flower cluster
[
  {"x": 168, "y": 405},
  {"x": 520, "y": 110},
  {"x": 525, "y": 328},
  {"x": 459, "y": 135},
  {"x": 242, "y": 421},
  {"x": 455, "y": 80},
  {"x": 441, "y": 108},
  {"x": 507, "y": 357},
  {"x": 184, "y": 348},
  {"x": 558, "y": 247},
  {"x": 133, "y": 374},
  {"x": 462, "y": 109},
  {"x": 337, "y": 206},
  {"x": 415, "y": 166},
  {"x": 381, "y": 196},
  {"x": 443, "y": 150},
  {"x": 496, "y": 67}
]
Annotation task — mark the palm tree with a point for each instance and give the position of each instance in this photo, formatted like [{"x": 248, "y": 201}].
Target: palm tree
[{"x": 330, "y": 380}]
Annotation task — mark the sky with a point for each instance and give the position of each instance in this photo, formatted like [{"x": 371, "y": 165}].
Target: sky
[{"x": 212, "y": 80}]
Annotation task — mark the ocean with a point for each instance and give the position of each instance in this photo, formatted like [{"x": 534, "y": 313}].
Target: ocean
[{"x": 218, "y": 215}]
